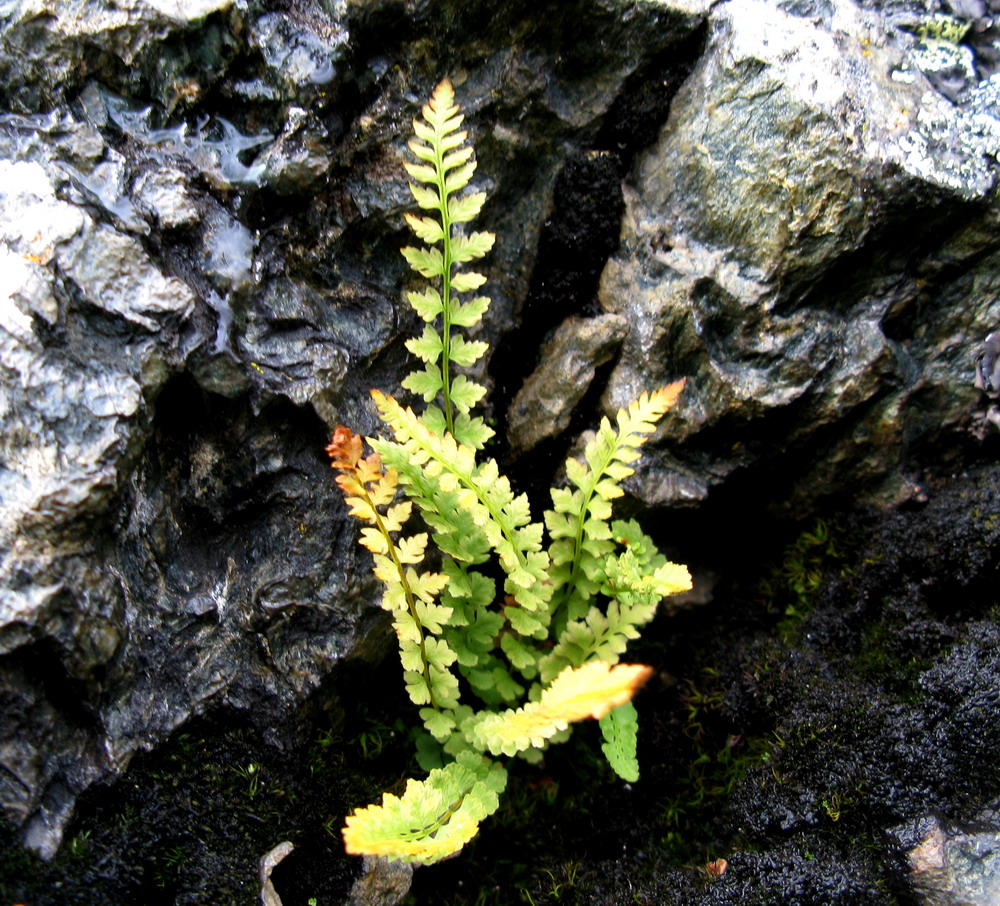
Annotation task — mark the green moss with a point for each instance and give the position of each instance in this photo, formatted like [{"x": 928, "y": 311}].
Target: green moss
[
  {"x": 791, "y": 585},
  {"x": 882, "y": 659}
]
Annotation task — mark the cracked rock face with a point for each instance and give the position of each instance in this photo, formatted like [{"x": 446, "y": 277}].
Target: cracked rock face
[
  {"x": 200, "y": 218},
  {"x": 811, "y": 201},
  {"x": 164, "y": 549},
  {"x": 200, "y": 223}
]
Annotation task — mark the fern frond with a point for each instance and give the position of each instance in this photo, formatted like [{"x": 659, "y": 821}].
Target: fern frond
[
  {"x": 444, "y": 167},
  {"x": 635, "y": 592},
  {"x": 577, "y": 693},
  {"x": 503, "y": 518},
  {"x": 578, "y": 521},
  {"x": 619, "y": 727},
  {"x": 409, "y": 595},
  {"x": 434, "y": 818}
]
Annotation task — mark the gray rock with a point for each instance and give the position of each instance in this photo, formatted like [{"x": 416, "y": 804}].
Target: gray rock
[
  {"x": 300, "y": 157},
  {"x": 300, "y": 50},
  {"x": 68, "y": 413},
  {"x": 758, "y": 256},
  {"x": 216, "y": 147},
  {"x": 121, "y": 481},
  {"x": 46, "y": 48},
  {"x": 568, "y": 362},
  {"x": 200, "y": 222},
  {"x": 164, "y": 196},
  {"x": 952, "y": 867}
]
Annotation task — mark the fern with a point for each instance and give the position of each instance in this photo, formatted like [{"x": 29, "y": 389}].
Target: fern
[
  {"x": 434, "y": 818},
  {"x": 445, "y": 167},
  {"x": 635, "y": 592},
  {"x": 554, "y": 627},
  {"x": 620, "y": 727},
  {"x": 503, "y": 518},
  {"x": 409, "y": 595}
]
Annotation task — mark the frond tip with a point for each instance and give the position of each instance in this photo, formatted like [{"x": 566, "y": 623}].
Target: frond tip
[{"x": 444, "y": 167}]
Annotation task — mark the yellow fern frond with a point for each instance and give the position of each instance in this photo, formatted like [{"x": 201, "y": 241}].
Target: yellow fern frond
[
  {"x": 434, "y": 818},
  {"x": 370, "y": 490},
  {"x": 577, "y": 693}
]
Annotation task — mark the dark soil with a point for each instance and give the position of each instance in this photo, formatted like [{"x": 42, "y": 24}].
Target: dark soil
[
  {"x": 849, "y": 688},
  {"x": 844, "y": 687}
]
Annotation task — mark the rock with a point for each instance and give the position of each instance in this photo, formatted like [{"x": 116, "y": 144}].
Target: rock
[
  {"x": 216, "y": 147},
  {"x": 568, "y": 362},
  {"x": 300, "y": 51},
  {"x": 111, "y": 459},
  {"x": 70, "y": 408},
  {"x": 987, "y": 377},
  {"x": 951, "y": 867},
  {"x": 762, "y": 256},
  {"x": 200, "y": 222},
  {"x": 164, "y": 197},
  {"x": 383, "y": 883},
  {"x": 47, "y": 46},
  {"x": 300, "y": 157}
]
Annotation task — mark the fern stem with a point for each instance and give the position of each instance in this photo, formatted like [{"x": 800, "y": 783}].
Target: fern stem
[
  {"x": 449, "y": 417},
  {"x": 407, "y": 592}
]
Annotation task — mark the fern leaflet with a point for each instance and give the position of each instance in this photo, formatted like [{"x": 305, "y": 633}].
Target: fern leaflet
[
  {"x": 502, "y": 517},
  {"x": 619, "y": 728}
]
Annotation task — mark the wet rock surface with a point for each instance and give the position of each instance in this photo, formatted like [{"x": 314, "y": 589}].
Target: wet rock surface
[
  {"x": 791, "y": 205},
  {"x": 569, "y": 362},
  {"x": 810, "y": 201}
]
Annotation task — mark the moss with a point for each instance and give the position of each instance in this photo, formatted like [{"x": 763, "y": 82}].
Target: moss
[
  {"x": 883, "y": 660},
  {"x": 791, "y": 585}
]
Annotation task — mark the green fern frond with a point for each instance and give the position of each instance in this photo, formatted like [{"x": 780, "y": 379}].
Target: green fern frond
[
  {"x": 445, "y": 166},
  {"x": 434, "y": 818},
  {"x": 620, "y": 727},
  {"x": 503, "y": 518},
  {"x": 578, "y": 521},
  {"x": 454, "y": 529}
]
